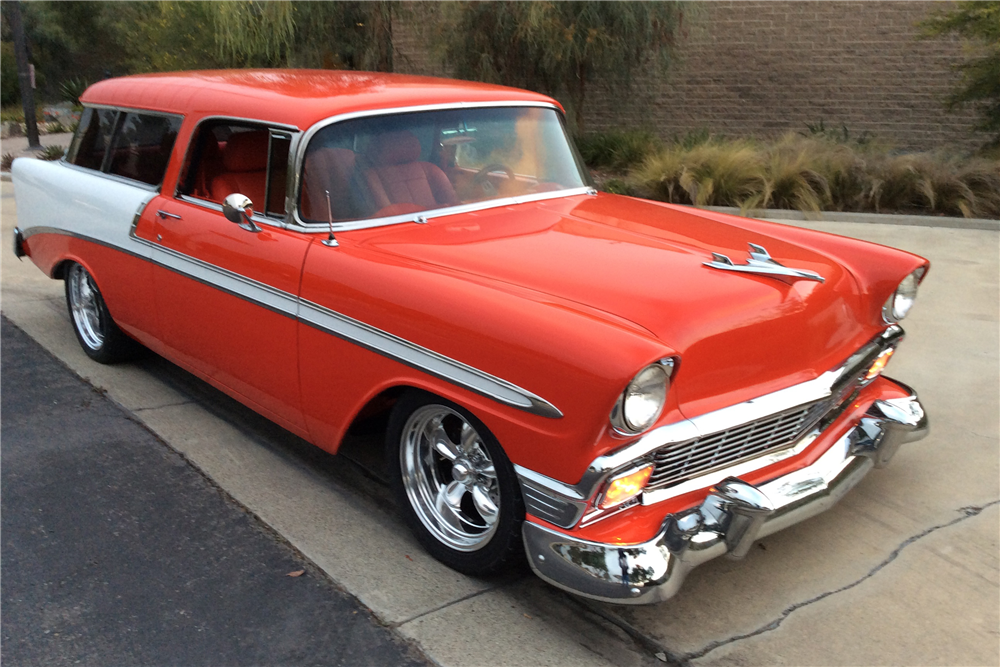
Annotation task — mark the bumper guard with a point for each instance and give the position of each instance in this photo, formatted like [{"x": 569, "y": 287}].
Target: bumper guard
[{"x": 731, "y": 518}]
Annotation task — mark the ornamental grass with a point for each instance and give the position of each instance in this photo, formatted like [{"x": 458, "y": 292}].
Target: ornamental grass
[{"x": 815, "y": 173}]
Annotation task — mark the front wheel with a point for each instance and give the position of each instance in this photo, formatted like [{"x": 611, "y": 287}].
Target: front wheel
[
  {"x": 98, "y": 334},
  {"x": 455, "y": 486}
]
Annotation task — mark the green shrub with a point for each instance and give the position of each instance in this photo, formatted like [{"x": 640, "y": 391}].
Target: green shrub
[
  {"x": 10, "y": 86},
  {"x": 15, "y": 112},
  {"x": 52, "y": 153},
  {"x": 71, "y": 89}
]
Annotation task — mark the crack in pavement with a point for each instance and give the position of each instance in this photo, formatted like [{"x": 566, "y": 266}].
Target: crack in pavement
[
  {"x": 423, "y": 614},
  {"x": 967, "y": 513}
]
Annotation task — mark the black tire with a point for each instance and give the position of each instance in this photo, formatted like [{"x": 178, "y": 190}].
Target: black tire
[
  {"x": 93, "y": 325},
  {"x": 450, "y": 531}
]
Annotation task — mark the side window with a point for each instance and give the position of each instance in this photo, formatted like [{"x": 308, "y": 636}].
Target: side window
[
  {"x": 93, "y": 135},
  {"x": 142, "y": 146},
  {"x": 229, "y": 157}
]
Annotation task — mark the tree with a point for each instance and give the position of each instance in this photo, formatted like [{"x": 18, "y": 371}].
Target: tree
[
  {"x": 162, "y": 36},
  {"x": 979, "y": 23},
  {"x": 558, "y": 48},
  {"x": 357, "y": 35}
]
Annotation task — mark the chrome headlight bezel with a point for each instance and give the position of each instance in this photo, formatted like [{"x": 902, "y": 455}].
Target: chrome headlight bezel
[
  {"x": 901, "y": 301},
  {"x": 629, "y": 416}
]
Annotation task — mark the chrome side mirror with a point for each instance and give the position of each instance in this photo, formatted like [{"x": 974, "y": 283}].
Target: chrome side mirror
[{"x": 239, "y": 209}]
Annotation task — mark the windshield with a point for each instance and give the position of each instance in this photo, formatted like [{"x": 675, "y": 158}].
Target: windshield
[{"x": 383, "y": 166}]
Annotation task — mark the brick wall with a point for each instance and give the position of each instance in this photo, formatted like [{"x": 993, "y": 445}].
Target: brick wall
[{"x": 768, "y": 67}]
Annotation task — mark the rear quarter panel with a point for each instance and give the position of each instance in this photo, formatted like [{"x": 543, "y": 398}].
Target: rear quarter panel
[{"x": 67, "y": 213}]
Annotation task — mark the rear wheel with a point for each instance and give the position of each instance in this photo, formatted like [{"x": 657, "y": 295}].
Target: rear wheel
[
  {"x": 98, "y": 334},
  {"x": 454, "y": 484}
]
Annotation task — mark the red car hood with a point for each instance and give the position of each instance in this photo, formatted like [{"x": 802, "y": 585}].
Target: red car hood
[{"x": 738, "y": 335}]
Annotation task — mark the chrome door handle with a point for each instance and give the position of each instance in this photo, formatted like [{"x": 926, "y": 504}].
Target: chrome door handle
[{"x": 164, "y": 215}]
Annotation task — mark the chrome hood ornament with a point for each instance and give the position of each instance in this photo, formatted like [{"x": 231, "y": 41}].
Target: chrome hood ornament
[{"x": 760, "y": 262}]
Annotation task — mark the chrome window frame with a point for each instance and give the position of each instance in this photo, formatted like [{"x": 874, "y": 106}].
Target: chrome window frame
[
  {"x": 273, "y": 134},
  {"x": 295, "y": 172}
]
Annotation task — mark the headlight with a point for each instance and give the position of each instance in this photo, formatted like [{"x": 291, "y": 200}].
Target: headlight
[
  {"x": 898, "y": 305},
  {"x": 642, "y": 401}
]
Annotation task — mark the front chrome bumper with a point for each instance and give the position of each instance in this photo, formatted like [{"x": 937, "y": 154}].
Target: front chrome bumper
[{"x": 730, "y": 519}]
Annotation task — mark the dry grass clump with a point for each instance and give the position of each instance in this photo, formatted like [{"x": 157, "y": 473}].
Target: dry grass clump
[
  {"x": 935, "y": 184},
  {"x": 813, "y": 173},
  {"x": 706, "y": 174}
]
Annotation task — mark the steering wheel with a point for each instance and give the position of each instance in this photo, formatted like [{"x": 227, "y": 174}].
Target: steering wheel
[{"x": 481, "y": 181}]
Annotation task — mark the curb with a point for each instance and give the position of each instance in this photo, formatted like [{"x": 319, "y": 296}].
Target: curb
[{"x": 869, "y": 218}]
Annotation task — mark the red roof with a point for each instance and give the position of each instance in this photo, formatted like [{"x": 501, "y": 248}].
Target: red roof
[{"x": 291, "y": 97}]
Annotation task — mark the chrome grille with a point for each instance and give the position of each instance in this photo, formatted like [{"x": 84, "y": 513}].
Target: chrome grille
[{"x": 677, "y": 463}]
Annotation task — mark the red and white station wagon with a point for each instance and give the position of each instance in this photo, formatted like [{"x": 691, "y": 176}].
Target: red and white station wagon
[{"x": 619, "y": 389}]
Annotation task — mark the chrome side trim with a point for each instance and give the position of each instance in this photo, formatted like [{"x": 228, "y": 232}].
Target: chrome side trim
[
  {"x": 32, "y": 231},
  {"x": 232, "y": 283},
  {"x": 212, "y": 206},
  {"x": 119, "y": 107},
  {"x": 353, "y": 331},
  {"x": 19, "y": 243},
  {"x": 421, "y": 358},
  {"x": 421, "y": 217},
  {"x": 731, "y": 518}
]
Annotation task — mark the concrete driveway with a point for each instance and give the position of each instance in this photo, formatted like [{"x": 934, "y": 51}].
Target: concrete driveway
[{"x": 903, "y": 571}]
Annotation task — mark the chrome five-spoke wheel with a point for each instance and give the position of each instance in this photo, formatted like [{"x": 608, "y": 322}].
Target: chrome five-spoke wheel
[
  {"x": 97, "y": 332},
  {"x": 455, "y": 484},
  {"x": 85, "y": 306},
  {"x": 449, "y": 477}
]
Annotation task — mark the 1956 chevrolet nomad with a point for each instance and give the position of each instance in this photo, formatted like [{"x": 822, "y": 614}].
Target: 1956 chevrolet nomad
[{"x": 619, "y": 389}]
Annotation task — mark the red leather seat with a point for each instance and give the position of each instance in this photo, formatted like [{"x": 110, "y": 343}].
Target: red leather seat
[
  {"x": 398, "y": 177},
  {"x": 245, "y": 163},
  {"x": 328, "y": 169}
]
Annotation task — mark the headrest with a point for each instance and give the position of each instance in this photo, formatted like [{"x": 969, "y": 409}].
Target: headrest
[
  {"x": 339, "y": 160},
  {"x": 246, "y": 151},
  {"x": 394, "y": 148}
]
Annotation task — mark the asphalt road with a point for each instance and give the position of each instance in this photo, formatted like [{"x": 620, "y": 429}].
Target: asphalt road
[{"x": 116, "y": 551}]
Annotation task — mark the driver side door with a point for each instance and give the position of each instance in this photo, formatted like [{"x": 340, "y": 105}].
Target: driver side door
[{"x": 227, "y": 296}]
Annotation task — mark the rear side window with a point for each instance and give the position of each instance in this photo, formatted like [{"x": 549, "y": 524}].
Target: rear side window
[
  {"x": 129, "y": 144},
  {"x": 142, "y": 147},
  {"x": 93, "y": 136}
]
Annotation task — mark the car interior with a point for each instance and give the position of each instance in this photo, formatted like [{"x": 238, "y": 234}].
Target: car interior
[{"x": 368, "y": 169}]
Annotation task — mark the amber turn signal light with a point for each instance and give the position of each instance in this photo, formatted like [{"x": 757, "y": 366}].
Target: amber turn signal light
[
  {"x": 879, "y": 364},
  {"x": 625, "y": 487}
]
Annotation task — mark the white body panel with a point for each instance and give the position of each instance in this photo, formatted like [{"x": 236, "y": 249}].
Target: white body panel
[{"x": 59, "y": 197}]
